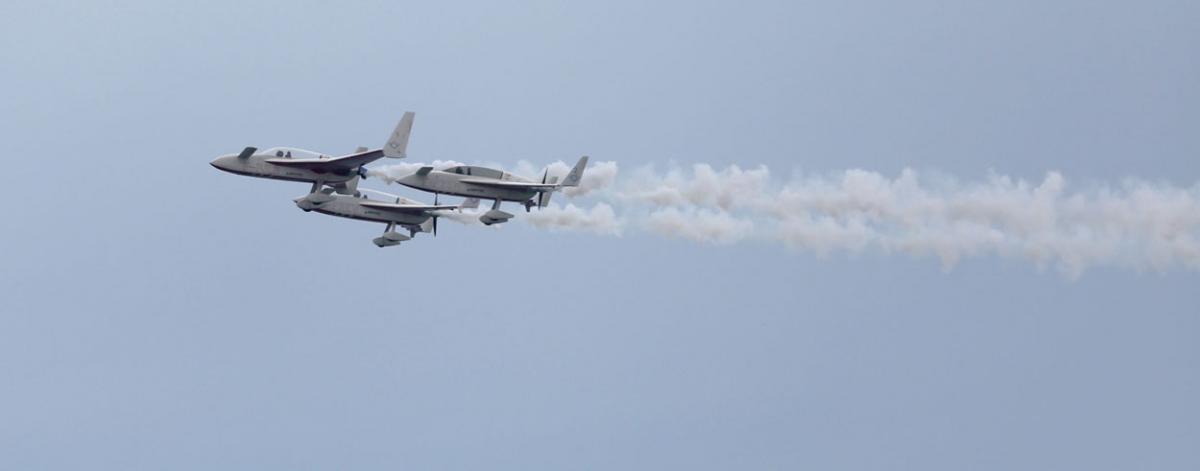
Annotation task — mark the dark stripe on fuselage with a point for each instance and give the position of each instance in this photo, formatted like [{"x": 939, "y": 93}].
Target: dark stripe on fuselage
[
  {"x": 469, "y": 195},
  {"x": 285, "y": 178}
]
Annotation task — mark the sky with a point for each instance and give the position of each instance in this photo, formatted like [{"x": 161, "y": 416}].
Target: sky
[{"x": 156, "y": 313}]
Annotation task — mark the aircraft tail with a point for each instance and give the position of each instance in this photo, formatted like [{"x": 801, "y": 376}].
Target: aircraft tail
[
  {"x": 349, "y": 187},
  {"x": 576, "y": 174},
  {"x": 397, "y": 145}
]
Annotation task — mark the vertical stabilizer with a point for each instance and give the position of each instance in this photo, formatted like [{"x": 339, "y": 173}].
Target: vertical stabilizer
[
  {"x": 576, "y": 174},
  {"x": 349, "y": 187},
  {"x": 397, "y": 144}
]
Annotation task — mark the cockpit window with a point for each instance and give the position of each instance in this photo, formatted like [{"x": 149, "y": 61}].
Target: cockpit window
[
  {"x": 486, "y": 172},
  {"x": 476, "y": 171},
  {"x": 279, "y": 153}
]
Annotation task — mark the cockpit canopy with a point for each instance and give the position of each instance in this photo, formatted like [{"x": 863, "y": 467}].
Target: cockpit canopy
[
  {"x": 476, "y": 171},
  {"x": 292, "y": 153}
]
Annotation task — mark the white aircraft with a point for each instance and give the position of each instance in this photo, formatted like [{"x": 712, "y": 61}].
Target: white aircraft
[
  {"x": 386, "y": 208},
  {"x": 292, "y": 164},
  {"x": 491, "y": 184}
]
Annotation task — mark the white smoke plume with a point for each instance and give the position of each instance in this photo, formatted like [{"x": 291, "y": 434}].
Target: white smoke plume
[
  {"x": 700, "y": 225},
  {"x": 599, "y": 175},
  {"x": 1133, "y": 224},
  {"x": 601, "y": 219},
  {"x": 468, "y": 217},
  {"x": 1137, "y": 224}
]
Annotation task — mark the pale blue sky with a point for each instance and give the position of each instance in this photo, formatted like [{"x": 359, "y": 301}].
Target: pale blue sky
[{"x": 159, "y": 314}]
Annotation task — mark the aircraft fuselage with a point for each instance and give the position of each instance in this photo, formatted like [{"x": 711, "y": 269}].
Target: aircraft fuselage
[
  {"x": 349, "y": 207},
  {"x": 452, "y": 184},
  {"x": 257, "y": 166}
]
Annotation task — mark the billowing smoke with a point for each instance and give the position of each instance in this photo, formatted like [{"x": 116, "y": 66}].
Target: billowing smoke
[
  {"x": 599, "y": 175},
  {"x": 700, "y": 225},
  {"x": 1135, "y": 223},
  {"x": 601, "y": 219}
]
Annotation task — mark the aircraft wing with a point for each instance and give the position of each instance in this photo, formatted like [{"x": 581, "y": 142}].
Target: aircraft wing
[
  {"x": 510, "y": 184},
  {"x": 406, "y": 208},
  {"x": 343, "y": 164}
]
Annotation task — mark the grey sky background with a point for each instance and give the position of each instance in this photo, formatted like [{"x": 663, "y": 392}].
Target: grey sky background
[{"x": 159, "y": 314}]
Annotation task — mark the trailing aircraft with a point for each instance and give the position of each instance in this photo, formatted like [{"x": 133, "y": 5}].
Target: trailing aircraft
[
  {"x": 386, "y": 208},
  {"x": 491, "y": 184}
]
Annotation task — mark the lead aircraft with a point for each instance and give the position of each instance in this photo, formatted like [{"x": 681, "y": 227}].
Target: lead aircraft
[{"x": 299, "y": 165}]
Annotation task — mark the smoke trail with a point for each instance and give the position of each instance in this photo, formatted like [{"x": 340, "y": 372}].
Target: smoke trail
[
  {"x": 598, "y": 176},
  {"x": 1134, "y": 224},
  {"x": 700, "y": 225},
  {"x": 601, "y": 219}
]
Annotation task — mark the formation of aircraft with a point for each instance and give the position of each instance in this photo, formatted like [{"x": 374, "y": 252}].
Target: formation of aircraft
[{"x": 335, "y": 185}]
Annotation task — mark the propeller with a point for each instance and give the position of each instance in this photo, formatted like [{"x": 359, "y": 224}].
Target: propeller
[
  {"x": 435, "y": 203},
  {"x": 539, "y": 195}
]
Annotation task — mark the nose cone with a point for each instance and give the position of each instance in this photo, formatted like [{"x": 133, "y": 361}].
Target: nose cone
[
  {"x": 412, "y": 180},
  {"x": 222, "y": 162}
]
